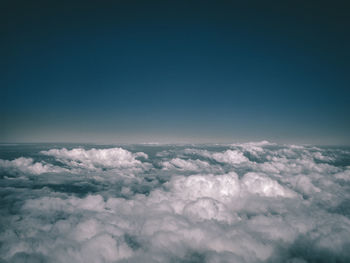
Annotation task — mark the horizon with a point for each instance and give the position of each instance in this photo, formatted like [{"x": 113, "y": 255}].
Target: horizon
[{"x": 207, "y": 143}]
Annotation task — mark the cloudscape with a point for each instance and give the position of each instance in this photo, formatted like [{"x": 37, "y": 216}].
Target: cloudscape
[
  {"x": 174, "y": 131},
  {"x": 251, "y": 202}
]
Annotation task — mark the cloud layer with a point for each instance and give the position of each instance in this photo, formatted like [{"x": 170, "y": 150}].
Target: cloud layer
[{"x": 254, "y": 202}]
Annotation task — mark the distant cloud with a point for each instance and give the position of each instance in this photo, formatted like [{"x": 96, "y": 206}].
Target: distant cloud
[
  {"x": 97, "y": 158},
  {"x": 27, "y": 165},
  {"x": 187, "y": 165},
  {"x": 228, "y": 156}
]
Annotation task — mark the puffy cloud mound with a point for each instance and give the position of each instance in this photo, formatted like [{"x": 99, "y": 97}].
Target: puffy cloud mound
[
  {"x": 186, "y": 165},
  {"x": 255, "y": 202},
  {"x": 27, "y": 165},
  {"x": 97, "y": 158},
  {"x": 220, "y": 187},
  {"x": 229, "y": 156},
  {"x": 262, "y": 185}
]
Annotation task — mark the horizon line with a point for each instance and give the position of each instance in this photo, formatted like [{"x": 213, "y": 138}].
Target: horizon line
[{"x": 172, "y": 143}]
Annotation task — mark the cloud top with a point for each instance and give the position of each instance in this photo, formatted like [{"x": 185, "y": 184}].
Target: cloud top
[
  {"x": 97, "y": 158},
  {"x": 255, "y": 202},
  {"x": 27, "y": 165}
]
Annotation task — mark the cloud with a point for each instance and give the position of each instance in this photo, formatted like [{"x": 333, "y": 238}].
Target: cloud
[
  {"x": 205, "y": 204},
  {"x": 344, "y": 175},
  {"x": 98, "y": 158},
  {"x": 253, "y": 147},
  {"x": 262, "y": 185},
  {"x": 186, "y": 165},
  {"x": 27, "y": 165},
  {"x": 228, "y": 156}
]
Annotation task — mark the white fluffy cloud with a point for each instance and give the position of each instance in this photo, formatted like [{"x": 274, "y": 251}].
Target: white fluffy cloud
[
  {"x": 97, "y": 158},
  {"x": 257, "y": 202},
  {"x": 27, "y": 165},
  {"x": 228, "y": 156},
  {"x": 265, "y": 186},
  {"x": 185, "y": 165}
]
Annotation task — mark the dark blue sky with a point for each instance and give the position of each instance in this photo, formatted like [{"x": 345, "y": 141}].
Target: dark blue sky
[{"x": 175, "y": 71}]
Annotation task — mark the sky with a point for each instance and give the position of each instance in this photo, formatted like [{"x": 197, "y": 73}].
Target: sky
[{"x": 175, "y": 71}]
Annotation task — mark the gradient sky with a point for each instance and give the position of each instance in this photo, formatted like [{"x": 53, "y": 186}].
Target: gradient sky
[{"x": 175, "y": 71}]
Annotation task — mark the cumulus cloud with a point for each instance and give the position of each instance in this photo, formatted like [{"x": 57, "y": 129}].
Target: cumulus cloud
[
  {"x": 27, "y": 165},
  {"x": 186, "y": 165},
  {"x": 344, "y": 175},
  {"x": 253, "y": 147},
  {"x": 263, "y": 185},
  {"x": 257, "y": 202},
  {"x": 97, "y": 158},
  {"x": 228, "y": 156}
]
